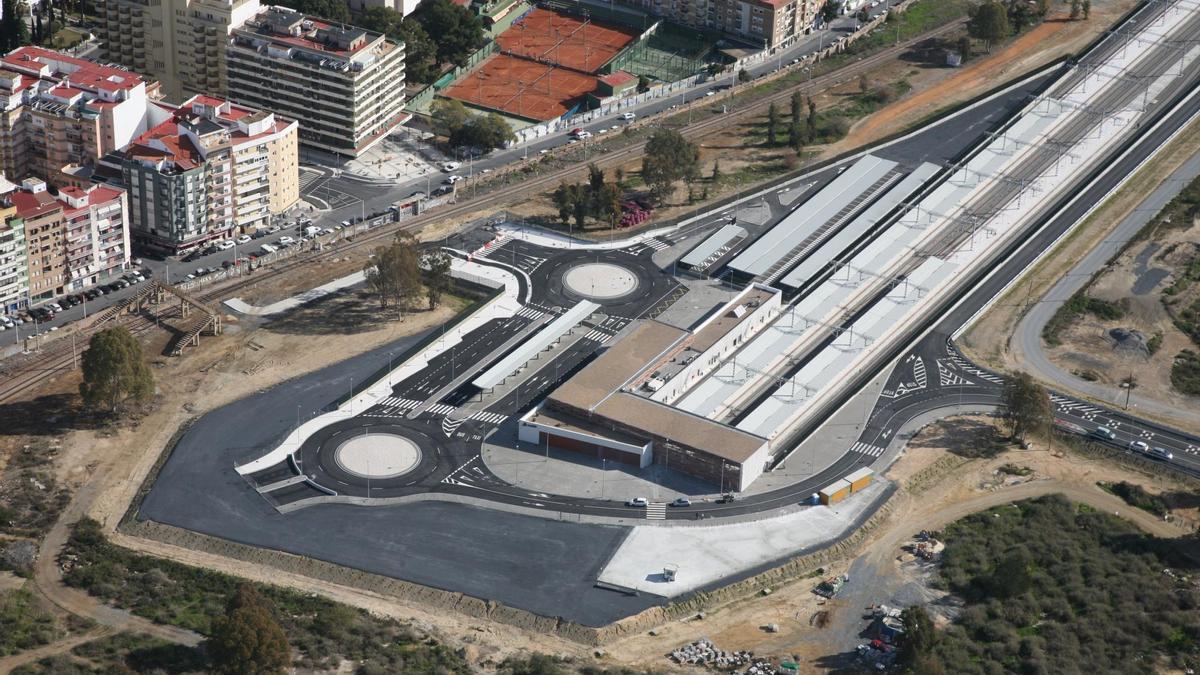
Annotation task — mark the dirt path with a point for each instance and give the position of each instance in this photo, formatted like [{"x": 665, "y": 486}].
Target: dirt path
[{"x": 9, "y": 663}]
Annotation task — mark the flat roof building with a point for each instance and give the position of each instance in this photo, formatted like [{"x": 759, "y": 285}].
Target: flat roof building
[{"x": 345, "y": 85}]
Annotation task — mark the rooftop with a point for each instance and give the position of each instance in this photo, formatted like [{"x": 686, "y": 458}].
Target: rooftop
[
  {"x": 47, "y": 64},
  {"x": 285, "y": 26}
]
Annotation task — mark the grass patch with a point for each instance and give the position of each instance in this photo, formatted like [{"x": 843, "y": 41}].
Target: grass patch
[
  {"x": 1185, "y": 373},
  {"x": 121, "y": 653},
  {"x": 1134, "y": 495},
  {"x": 322, "y": 633},
  {"x": 1079, "y": 304},
  {"x": 24, "y": 622},
  {"x": 1092, "y": 585}
]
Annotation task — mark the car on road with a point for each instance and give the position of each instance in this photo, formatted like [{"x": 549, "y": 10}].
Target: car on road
[
  {"x": 267, "y": 248},
  {"x": 727, "y": 498},
  {"x": 226, "y": 245},
  {"x": 628, "y": 116},
  {"x": 1104, "y": 433},
  {"x": 443, "y": 190},
  {"x": 1161, "y": 453},
  {"x": 1138, "y": 446},
  {"x": 710, "y": 92},
  {"x": 639, "y": 502},
  {"x": 273, "y": 229},
  {"x": 286, "y": 240},
  {"x": 682, "y": 501},
  {"x": 450, "y": 166},
  {"x": 244, "y": 239},
  {"x": 452, "y": 179}
]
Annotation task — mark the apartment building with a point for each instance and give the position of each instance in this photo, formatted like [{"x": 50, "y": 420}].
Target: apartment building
[
  {"x": 14, "y": 268},
  {"x": 212, "y": 171},
  {"x": 760, "y": 23},
  {"x": 345, "y": 85},
  {"x": 57, "y": 110},
  {"x": 73, "y": 239},
  {"x": 181, "y": 43}
]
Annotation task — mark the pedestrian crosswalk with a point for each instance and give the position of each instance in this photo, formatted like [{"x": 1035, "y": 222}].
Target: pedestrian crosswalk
[
  {"x": 530, "y": 313},
  {"x": 867, "y": 449},
  {"x": 441, "y": 409},
  {"x": 967, "y": 367},
  {"x": 656, "y": 511},
  {"x": 489, "y": 417},
  {"x": 493, "y": 246},
  {"x": 598, "y": 335},
  {"x": 657, "y": 244}
]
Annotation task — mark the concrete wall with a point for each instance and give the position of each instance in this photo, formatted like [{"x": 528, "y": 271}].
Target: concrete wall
[{"x": 530, "y": 432}]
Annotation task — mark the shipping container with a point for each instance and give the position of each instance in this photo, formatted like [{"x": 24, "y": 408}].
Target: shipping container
[
  {"x": 860, "y": 479},
  {"x": 835, "y": 493}
]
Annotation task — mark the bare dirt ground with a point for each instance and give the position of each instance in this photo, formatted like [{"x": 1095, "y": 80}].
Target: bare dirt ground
[
  {"x": 937, "y": 488},
  {"x": 738, "y": 149}
]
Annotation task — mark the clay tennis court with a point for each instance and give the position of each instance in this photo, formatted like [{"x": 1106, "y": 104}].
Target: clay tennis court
[
  {"x": 563, "y": 39},
  {"x": 522, "y": 88}
]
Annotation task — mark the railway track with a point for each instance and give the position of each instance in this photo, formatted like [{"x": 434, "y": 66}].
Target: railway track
[{"x": 20, "y": 375}]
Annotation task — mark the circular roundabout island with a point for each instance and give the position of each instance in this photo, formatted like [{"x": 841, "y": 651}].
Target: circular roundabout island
[
  {"x": 377, "y": 456},
  {"x": 600, "y": 281}
]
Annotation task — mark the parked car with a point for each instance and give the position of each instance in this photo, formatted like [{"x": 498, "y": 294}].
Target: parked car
[
  {"x": 640, "y": 502},
  {"x": 227, "y": 244},
  {"x": 727, "y": 498},
  {"x": 443, "y": 190},
  {"x": 273, "y": 229},
  {"x": 452, "y": 179},
  {"x": 267, "y": 248},
  {"x": 682, "y": 501},
  {"x": 245, "y": 238},
  {"x": 286, "y": 240}
]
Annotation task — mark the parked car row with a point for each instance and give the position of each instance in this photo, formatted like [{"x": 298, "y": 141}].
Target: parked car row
[{"x": 47, "y": 311}]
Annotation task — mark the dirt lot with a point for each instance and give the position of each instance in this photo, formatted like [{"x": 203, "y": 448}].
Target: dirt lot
[{"x": 744, "y": 161}]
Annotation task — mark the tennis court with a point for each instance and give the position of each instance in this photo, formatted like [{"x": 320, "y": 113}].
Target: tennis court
[
  {"x": 522, "y": 88},
  {"x": 551, "y": 37}
]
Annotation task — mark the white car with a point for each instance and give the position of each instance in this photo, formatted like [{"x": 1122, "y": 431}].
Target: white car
[
  {"x": 244, "y": 239},
  {"x": 452, "y": 179},
  {"x": 225, "y": 245},
  {"x": 628, "y": 116},
  {"x": 1161, "y": 453},
  {"x": 710, "y": 93},
  {"x": 286, "y": 240},
  {"x": 450, "y": 166},
  {"x": 1138, "y": 446},
  {"x": 640, "y": 502}
]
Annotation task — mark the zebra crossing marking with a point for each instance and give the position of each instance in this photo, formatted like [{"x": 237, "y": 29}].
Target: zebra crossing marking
[
  {"x": 867, "y": 449},
  {"x": 530, "y": 313},
  {"x": 656, "y": 511},
  {"x": 441, "y": 409},
  {"x": 494, "y": 245},
  {"x": 657, "y": 244},
  {"x": 598, "y": 335},
  {"x": 964, "y": 365},
  {"x": 489, "y": 417}
]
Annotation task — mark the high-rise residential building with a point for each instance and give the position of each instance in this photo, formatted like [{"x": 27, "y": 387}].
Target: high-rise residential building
[
  {"x": 345, "y": 85},
  {"x": 57, "y": 110},
  {"x": 181, "y": 43},
  {"x": 760, "y": 23},
  {"x": 14, "y": 267},
  {"x": 73, "y": 239},
  {"x": 214, "y": 170}
]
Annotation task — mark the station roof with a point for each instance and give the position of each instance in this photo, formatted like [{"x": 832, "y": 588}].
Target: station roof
[
  {"x": 539, "y": 341},
  {"x": 712, "y": 246},
  {"x": 807, "y": 219}
]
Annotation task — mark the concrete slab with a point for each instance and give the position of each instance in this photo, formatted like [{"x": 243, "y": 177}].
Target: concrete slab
[
  {"x": 242, "y": 307},
  {"x": 708, "y": 554}
]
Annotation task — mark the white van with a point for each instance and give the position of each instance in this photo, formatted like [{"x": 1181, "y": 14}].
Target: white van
[
  {"x": 311, "y": 231},
  {"x": 267, "y": 249}
]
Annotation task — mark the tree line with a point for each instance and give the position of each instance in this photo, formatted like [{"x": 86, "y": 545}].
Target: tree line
[
  {"x": 463, "y": 129},
  {"x": 399, "y": 274},
  {"x": 597, "y": 198}
]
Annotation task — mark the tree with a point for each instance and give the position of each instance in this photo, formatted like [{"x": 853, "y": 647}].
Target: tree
[
  {"x": 964, "y": 48},
  {"x": 918, "y": 636},
  {"x": 330, "y": 10},
  {"x": 743, "y": 76},
  {"x": 14, "y": 32},
  {"x": 668, "y": 157},
  {"x": 864, "y": 85},
  {"x": 448, "y": 116},
  {"x": 114, "y": 371},
  {"x": 437, "y": 278},
  {"x": 830, "y": 10},
  {"x": 643, "y": 84},
  {"x": 797, "y": 106},
  {"x": 989, "y": 22},
  {"x": 248, "y": 640},
  {"x": 1087, "y": 9},
  {"x": 716, "y": 172},
  {"x": 811, "y": 132},
  {"x": 595, "y": 178},
  {"x": 772, "y": 123},
  {"x": 456, "y": 30},
  {"x": 608, "y": 204},
  {"x": 420, "y": 52},
  {"x": 1076, "y": 9},
  {"x": 1027, "y": 405},
  {"x": 393, "y": 274},
  {"x": 486, "y": 132},
  {"x": 564, "y": 201}
]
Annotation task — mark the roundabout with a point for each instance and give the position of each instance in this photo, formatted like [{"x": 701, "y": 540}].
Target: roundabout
[{"x": 377, "y": 456}]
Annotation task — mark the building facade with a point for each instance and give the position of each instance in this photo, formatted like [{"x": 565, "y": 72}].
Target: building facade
[
  {"x": 344, "y": 85},
  {"x": 759, "y": 23},
  {"x": 14, "y": 266},
  {"x": 214, "y": 170},
  {"x": 180, "y": 43},
  {"x": 73, "y": 239},
  {"x": 57, "y": 110}
]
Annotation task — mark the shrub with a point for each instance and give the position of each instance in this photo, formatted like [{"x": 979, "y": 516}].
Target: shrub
[
  {"x": 1135, "y": 495},
  {"x": 1185, "y": 373}
]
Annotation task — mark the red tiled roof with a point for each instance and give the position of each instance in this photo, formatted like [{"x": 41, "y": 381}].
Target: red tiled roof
[
  {"x": 48, "y": 64},
  {"x": 618, "y": 78},
  {"x": 30, "y": 205}
]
